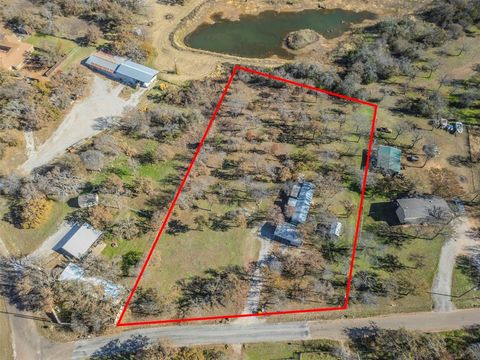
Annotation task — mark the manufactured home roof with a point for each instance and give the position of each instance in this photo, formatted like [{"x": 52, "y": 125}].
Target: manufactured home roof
[
  {"x": 136, "y": 71},
  {"x": 304, "y": 200},
  {"x": 288, "y": 233},
  {"x": 78, "y": 242}
]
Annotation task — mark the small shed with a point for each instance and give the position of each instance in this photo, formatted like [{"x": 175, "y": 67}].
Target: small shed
[
  {"x": 336, "y": 228},
  {"x": 78, "y": 241},
  {"x": 87, "y": 200},
  {"x": 387, "y": 158},
  {"x": 287, "y": 234}
]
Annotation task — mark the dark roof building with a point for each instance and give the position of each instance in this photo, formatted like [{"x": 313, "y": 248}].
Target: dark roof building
[
  {"x": 302, "y": 203},
  {"x": 122, "y": 69},
  {"x": 288, "y": 234},
  {"x": 387, "y": 158},
  {"x": 418, "y": 210}
]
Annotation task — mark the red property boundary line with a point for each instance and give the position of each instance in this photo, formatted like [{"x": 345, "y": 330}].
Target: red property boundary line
[{"x": 187, "y": 173}]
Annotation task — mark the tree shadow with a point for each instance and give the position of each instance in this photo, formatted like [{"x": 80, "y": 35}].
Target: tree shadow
[
  {"x": 384, "y": 211},
  {"x": 118, "y": 350}
]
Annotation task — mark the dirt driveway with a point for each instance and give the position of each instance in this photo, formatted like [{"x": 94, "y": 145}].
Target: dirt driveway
[{"x": 87, "y": 118}]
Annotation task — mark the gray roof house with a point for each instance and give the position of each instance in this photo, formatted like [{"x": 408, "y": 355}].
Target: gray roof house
[
  {"x": 122, "y": 69},
  {"x": 417, "y": 210},
  {"x": 74, "y": 272},
  {"x": 76, "y": 242},
  {"x": 287, "y": 234},
  {"x": 302, "y": 203}
]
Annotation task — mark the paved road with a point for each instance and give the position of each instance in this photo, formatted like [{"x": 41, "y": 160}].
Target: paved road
[{"x": 273, "y": 332}]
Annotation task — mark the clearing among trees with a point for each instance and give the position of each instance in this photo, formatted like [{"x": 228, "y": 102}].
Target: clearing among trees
[{"x": 265, "y": 218}]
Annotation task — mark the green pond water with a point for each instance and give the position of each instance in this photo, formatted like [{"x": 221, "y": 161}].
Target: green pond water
[{"x": 262, "y": 35}]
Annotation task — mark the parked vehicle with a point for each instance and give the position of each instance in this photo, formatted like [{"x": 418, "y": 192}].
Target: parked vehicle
[
  {"x": 384, "y": 130},
  {"x": 413, "y": 158}
]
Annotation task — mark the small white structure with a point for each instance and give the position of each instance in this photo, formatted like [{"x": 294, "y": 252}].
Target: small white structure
[
  {"x": 336, "y": 228},
  {"x": 77, "y": 241}
]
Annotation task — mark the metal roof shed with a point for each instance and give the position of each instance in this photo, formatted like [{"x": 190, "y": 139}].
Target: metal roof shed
[
  {"x": 302, "y": 206},
  {"x": 76, "y": 244},
  {"x": 388, "y": 158},
  {"x": 104, "y": 62},
  {"x": 140, "y": 73}
]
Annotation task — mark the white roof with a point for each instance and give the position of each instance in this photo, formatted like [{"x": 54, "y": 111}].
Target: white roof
[
  {"x": 136, "y": 71},
  {"x": 76, "y": 243},
  {"x": 74, "y": 272}
]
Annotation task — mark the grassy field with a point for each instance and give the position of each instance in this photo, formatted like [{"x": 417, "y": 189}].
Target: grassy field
[
  {"x": 24, "y": 241},
  {"x": 75, "y": 53},
  {"x": 463, "y": 290},
  {"x": 5, "y": 338},
  {"x": 177, "y": 257},
  {"x": 314, "y": 349}
]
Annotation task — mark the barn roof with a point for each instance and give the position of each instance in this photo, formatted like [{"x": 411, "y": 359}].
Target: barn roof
[
  {"x": 136, "y": 71},
  {"x": 104, "y": 61}
]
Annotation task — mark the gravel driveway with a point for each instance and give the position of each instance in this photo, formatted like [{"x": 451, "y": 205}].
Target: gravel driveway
[
  {"x": 442, "y": 283},
  {"x": 87, "y": 118}
]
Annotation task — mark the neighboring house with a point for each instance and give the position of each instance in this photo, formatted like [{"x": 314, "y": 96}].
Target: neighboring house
[
  {"x": 122, "y": 69},
  {"x": 13, "y": 52},
  {"x": 387, "y": 159},
  {"x": 300, "y": 199},
  {"x": 78, "y": 241},
  {"x": 417, "y": 210},
  {"x": 287, "y": 234},
  {"x": 87, "y": 200},
  {"x": 74, "y": 272}
]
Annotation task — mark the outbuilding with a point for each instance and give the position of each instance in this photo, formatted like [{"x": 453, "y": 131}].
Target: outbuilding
[
  {"x": 387, "y": 159},
  {"x": 122, "y": 69},
  {"x": 302, "y": 203},
  {"x": 78, "y": 241}
]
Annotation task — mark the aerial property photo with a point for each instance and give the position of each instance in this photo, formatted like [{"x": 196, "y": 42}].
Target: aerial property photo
[
  {"x": 241, "y": 180},
  {"x": 275, "y": 186}
]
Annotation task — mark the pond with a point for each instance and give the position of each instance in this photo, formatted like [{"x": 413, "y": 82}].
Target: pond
[{"x": 262, "y": 35}]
